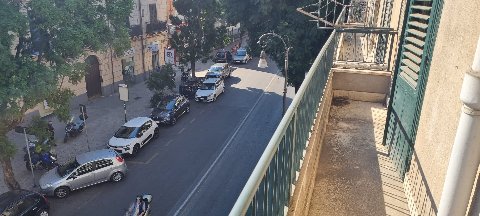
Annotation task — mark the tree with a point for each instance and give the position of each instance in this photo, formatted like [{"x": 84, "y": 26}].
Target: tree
[
  {"x": 281, "y": 17},
  {"x": 160, "y": 82},
  {"x": 40, "y": 44},
  {"x": 197, "y": 35}
]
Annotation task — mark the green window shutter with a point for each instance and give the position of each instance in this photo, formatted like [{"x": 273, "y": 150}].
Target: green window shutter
[{"x": 411, "y": 74}]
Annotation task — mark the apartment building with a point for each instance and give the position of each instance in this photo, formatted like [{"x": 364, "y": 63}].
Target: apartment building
[{"x": 105, "y": 70}]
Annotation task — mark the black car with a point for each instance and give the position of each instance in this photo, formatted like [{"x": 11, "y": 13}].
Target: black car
[
  {"x": 23, "y": 202},
  {"x": 223, "y": 56},
  {"x": 190, "y": 86},
  {"x": 170, "y": 109}
]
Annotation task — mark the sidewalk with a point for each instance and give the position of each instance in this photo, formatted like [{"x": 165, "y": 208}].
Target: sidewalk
[{"x": 105, "y": 116}]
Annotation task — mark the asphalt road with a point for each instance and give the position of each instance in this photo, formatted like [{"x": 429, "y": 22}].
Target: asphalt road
[{"x": 200, "y": 165}]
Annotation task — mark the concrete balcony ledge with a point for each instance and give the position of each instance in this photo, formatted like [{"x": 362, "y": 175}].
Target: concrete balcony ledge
[{"x": 361, "y": 85}]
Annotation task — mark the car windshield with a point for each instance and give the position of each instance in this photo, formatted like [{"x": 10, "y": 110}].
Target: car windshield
[
  {"x": 212, "y": 75},
  {"x": 220, "y": 55},
  {"x": 207, "y": 86},
  {"x": 66, "y": 169},
  {"x": 170, "y": 105},
  {"x": 125, "y": 132},
  {"x": 241, "y": 53},
  {"x": 215, "y": 69}
]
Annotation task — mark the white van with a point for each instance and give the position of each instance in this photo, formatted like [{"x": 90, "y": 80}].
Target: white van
[{"x": 210, "y": 89}]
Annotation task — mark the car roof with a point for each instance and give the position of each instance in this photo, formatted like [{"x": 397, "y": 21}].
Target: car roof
[
  {"x": 218, "y": 65},
  {"x": 95, "y": 155},
  {"x": 7, "y": 198},
  {"x": 211, "y": 80},
  {"x": 136, "y": 122}
]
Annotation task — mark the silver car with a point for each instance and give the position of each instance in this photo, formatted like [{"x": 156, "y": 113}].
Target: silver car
[{"x": 87, "y": 169}]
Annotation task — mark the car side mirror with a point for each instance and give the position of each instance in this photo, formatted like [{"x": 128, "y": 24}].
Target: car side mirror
[{"x": 139, "y": 135}]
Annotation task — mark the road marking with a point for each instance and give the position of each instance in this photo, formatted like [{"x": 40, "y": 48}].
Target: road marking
[
  {"x": 191, "y": 121},
  {"x": 223, "y": 149},
  {"x": 181, "y": 131},
  {"x": 90, "y": 199},
  {"x": 168, "y": 143},
  {"x": 151, "y": 158},
  {"x": 136, "y": 162}
]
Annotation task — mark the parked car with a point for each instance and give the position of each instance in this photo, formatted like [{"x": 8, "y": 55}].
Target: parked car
[
  {"x": 168, "y": 111},
  {"x": 210, "y": 90},
  {"x": 242, "y": 56},
  {"x": 223, "y": 56},
  {"x": 23, "y": 203},
  {"x": 189, "y": 87},
  {"x": 86, "y": 169},
  {"x": 219, "y": 70},
  {"x": 133, "y": 135}
]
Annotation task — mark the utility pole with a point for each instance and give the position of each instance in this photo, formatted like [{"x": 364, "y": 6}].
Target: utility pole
[{"x": 140, "y": 14}]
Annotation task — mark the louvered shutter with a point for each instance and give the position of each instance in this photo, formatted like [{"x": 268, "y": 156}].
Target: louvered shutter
[{"x": 411, "y": 74}]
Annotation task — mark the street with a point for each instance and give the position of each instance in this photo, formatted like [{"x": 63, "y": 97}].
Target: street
[{"x": 200, "y": 165}]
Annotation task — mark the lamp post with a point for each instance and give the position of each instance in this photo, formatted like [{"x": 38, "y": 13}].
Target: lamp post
[{"x": 262, "y": 63}]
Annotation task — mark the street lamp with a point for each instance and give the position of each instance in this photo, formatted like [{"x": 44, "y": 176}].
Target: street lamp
[{"x": 262, "y": 63}]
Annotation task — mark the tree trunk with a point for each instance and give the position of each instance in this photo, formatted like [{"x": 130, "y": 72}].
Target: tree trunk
[
  {"x": 192, "y": 66},
  {"x": 8, "y": 175}
]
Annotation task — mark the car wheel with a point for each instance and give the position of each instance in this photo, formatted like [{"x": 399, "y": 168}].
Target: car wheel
[
  {"x": 156, "y": 133},
  {"x": 62, "y": 192},
  {"x": 116, "y": 177},
  {"x": 135, "y": 149},
  {"x": 43, "y": 212},
  {"x": 215, "y": 98},
  {"x": 174, "y": 121}
]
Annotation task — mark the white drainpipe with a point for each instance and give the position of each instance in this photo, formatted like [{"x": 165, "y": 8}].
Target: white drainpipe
[{"x": 465, "y": 158}]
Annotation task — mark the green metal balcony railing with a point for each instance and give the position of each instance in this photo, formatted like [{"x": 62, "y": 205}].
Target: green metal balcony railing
[{"x": 268, "y": 189}]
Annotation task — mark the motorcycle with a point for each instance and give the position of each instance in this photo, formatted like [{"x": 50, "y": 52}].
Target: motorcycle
[
  {"x": 74, "y": 128},
  {"x": 40, "y": 160}
]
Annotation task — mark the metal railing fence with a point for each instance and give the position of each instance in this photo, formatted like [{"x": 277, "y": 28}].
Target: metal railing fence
[{"x": 268, "y": 190}]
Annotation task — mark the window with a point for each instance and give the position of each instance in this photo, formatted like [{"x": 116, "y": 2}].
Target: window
[
  {"x": 153, "y": 12},
  {"x": 85, "y": 169},
  {"x": 104, "y": 163},
  {"x": 146, "y": 126}
]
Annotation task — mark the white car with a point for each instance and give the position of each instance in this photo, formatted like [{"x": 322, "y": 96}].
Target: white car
[
  {"x": 210, "y": 89},
  {"x": 133, "y": 135}
]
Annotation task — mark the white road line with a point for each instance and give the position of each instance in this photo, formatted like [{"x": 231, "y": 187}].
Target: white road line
[
  {"x": 136, "y": 162},
  {"x": 191, "y": 121},
  {"x": 168, "y": 143},
  {"x": 181, "y": 131},
  {"x": 223, "y": 149}
]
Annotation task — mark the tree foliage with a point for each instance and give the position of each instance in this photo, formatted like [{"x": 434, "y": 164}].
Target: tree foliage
[
  {"x": 197, "y": 35},
  {"x": 40, "y": 45},
  {"x": 281, "y": 17},
  {"x": 160, "y": 82}
]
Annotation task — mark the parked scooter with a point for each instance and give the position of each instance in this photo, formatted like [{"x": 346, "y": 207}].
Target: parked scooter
[
  {"x": 141, "y": 206},
  {"x": 74, "y": 128},
  {"x": 40, "y": 160}
]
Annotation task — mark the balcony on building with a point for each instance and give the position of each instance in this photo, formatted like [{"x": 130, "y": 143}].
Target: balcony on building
[
  {"x": 156, "y": 27},
  {"x": 136, "y": 31},
  {"x": 328, "y": 156}
]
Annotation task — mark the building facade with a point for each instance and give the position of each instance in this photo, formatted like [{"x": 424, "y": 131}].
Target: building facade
[{"x": 105, "y": 70}]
